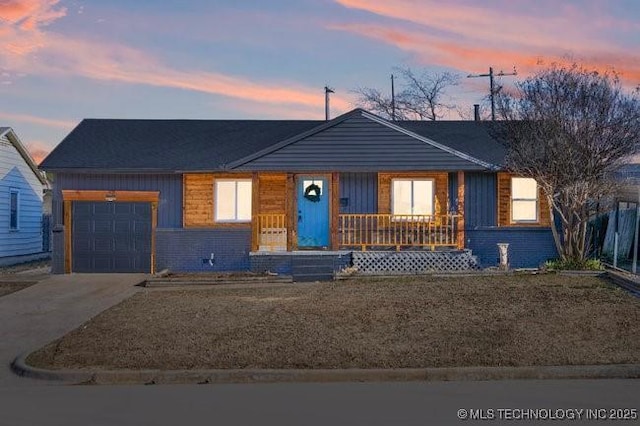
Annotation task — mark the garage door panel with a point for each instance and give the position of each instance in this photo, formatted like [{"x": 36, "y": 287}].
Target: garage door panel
[
  {"x": 103, "y": 208},
  {"x": 111, "y": 237},
  {"x": 82, "y": 208},
  {"x": 123, "y": 226},
  {"x": 103, "y": 245},
  {"x": 123, "y": 208}
]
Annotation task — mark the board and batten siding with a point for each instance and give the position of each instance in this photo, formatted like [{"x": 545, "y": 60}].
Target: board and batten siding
[
  {"x": 359, "y": 144},
  {"x": 169, "y": 186},
  {"x": 358, "y": 193},
  {"x": 480, "y": 207},
  {"x": 15, "y": 174}
]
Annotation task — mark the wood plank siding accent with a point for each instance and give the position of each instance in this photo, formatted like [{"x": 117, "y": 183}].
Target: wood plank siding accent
[
  {"x": 269, "y": 197},
  {"x": 272, "y": 193},
  {"x": 198, "y": 199},
  {"x": 441, "y": 189},
  {"x": 504, "y": 204},
  {"x": 359, "y": 144}
]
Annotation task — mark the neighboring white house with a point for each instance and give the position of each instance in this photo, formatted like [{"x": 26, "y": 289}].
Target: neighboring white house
[{"x": 21, "y": 193}]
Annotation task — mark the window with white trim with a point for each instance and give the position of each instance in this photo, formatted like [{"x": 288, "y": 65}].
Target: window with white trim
[
  {"x": 412, "y": 197},
  {"x": 14, "y": 209},
  {"x": 233, "y": 200},
  {"x": 524, "y": 200}
]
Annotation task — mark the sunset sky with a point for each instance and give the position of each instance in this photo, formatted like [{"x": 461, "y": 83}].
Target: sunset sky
[{"x": 65, "y": 60}]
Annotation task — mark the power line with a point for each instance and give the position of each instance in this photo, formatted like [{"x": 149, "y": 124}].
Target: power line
[{"x": 492, "y": 90}]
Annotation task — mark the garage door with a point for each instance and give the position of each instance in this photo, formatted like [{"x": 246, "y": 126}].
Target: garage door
[{"x": 111, "y": 237}]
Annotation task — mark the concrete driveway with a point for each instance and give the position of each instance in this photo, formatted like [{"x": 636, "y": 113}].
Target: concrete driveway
[{"x": 37, "y": 315}]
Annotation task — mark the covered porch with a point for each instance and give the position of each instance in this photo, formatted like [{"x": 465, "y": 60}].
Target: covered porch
[
  {"x": 281, "y": 212},
  {"x": 368, "y": 232}
]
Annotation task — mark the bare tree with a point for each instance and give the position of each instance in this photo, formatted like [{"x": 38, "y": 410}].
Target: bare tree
[
  {"x": 570, "y": 128},
  {"x": 420, "y": 97}
]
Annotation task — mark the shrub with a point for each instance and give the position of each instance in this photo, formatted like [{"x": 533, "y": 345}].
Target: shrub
[{"x": 572, "y": 264}]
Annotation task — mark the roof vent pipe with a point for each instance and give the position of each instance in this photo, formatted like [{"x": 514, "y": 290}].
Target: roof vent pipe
[
  {"x": 327, "y": 90},
  {"x": 476, "y": 112}
]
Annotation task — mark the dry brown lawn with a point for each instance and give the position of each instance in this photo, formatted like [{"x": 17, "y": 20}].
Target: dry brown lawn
[
  {"x": 404, "y": 322},
  {"x": 12, "y": 287}
]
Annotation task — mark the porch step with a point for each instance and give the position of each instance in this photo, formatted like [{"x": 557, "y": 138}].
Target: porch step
[
  {"x": 207, "y": 281},
  {"x": 312, "y": 268}
]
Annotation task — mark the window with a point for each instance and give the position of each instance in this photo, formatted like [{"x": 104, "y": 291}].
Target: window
[
  {"x": 524, "y": 200},
  {"x": 412, "y": 197},
  {"x": 233, "y": 200},
  {"x": 14, "y": 204}
]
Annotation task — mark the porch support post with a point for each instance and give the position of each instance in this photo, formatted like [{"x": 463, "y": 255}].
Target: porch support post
[
  {"x": 335, "y": 210},
  {"x": 460, "y": 237},
  {"x": 292, "y": 213},
  {"x": 255, "y": 211},
  {"x": 67, "y": 236}
]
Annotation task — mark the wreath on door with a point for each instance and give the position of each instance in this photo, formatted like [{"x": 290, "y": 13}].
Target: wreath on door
[{"x": 312, "y": 193}]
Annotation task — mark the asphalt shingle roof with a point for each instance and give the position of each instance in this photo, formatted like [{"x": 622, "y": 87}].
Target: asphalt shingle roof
[
  {"x": 471, "y": 137},
  {"x": 203, "y": 145},
  {"x": 167, "y": 144}
]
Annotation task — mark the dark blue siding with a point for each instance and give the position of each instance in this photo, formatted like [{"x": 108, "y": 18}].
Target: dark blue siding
[
  {"x": 528, "y": 247},
  {"x": 170, "y": 187},
  {"x": 360, "y": 192},
  {"x": 453, "y": 192},
  {"x": 185, "y": 249},
  {"x": 359, "y": 144},
  {"x": 481, "y": 203}
]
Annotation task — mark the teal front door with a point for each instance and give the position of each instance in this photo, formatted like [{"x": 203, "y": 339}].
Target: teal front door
[{"x": 313, "y": 212}]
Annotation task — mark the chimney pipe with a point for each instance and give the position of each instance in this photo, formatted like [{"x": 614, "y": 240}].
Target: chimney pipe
[{"x": 476, "y": 112}]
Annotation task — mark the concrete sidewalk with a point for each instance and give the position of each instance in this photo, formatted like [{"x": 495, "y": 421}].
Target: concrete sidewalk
[{"x": 37, "y": 315}]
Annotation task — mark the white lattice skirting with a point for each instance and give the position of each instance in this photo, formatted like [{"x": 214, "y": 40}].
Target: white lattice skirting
[{"x": 412, "y": 262}]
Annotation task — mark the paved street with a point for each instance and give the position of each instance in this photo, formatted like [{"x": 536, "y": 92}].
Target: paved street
[{"x": 419, "y": 403}]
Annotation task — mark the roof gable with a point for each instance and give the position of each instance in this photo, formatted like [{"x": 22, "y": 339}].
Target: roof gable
[
  {"x": 360, "y": 140},
  {"x": 12, "y": 137}
]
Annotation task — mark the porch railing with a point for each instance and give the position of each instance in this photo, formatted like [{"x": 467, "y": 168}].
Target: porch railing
[
  {"x": 387, "y": 230},
  {"x": 270, "y": 232}
]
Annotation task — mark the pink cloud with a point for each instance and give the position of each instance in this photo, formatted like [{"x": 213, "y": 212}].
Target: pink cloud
[
  {"x": 30, "y": 50},
  {"x": 473, "y": 57},
  {"x": 112, "y": 62},
  {"x": 30, "y": 14},
  {"x": 62, "y": 124},
  {"x": 509, "y": 23},
  {"x": 472, "y": 36},
  {"x": 38, "y": 150}
]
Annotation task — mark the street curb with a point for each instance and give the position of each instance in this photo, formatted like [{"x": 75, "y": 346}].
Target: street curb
[{"x": 148, "y": 377}]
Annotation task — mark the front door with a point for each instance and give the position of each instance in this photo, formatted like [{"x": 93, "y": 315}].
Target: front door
[{"x": 313, "y": 212}]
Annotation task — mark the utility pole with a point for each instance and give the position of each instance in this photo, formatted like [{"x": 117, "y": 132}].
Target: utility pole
[
  {"x": 492, "y": 89},
  {"x": 393, "y": 101},
  {"x": 327, "y": 90}
]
